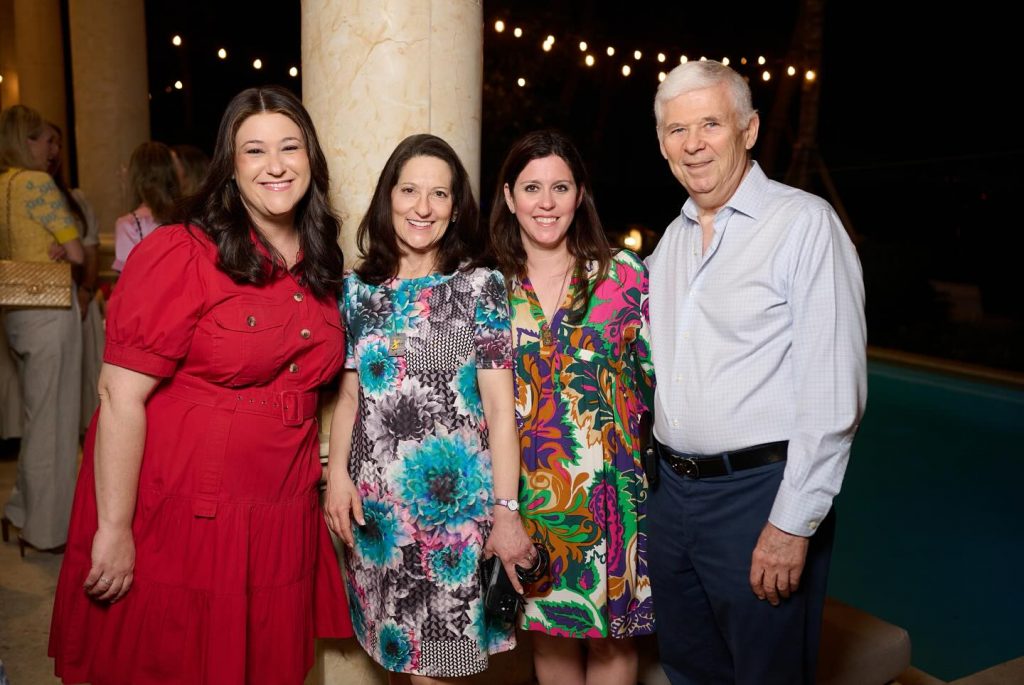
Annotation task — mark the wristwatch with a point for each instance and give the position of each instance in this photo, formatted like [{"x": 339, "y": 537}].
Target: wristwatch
[{"x": 510, "y": 504}]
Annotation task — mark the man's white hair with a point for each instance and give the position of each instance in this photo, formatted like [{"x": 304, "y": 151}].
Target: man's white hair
[{"x": 704, "y": 74}]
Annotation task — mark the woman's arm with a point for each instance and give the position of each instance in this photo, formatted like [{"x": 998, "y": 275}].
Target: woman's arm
[
  {"x": 120, "y": 437},
  {"x": 508, "y": 539},
  {"x": 342, "y": 502}
]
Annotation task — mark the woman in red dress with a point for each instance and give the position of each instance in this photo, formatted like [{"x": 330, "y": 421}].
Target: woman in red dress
[{"x": 196, "y": 545}]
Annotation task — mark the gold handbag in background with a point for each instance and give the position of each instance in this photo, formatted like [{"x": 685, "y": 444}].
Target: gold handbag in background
[{"x": 32, "y": 284}]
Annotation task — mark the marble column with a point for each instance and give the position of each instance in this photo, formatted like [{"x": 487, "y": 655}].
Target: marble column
[
  {"x": 376, "y": 72},
  {"x": 372, "y": 74},
  {"x": 108, "y": 55}
]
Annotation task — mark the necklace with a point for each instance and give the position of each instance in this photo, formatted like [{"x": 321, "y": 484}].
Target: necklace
[{"x": 547, "y": 336}]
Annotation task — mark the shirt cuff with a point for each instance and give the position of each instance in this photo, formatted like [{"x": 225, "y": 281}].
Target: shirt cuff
[
  {"x": 138, "y": 360},
  {"x": 65, "y": 235},
  {"x": 798, "y": 513}
]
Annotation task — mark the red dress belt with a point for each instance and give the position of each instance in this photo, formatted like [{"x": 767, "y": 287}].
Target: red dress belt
[{"x": 293, "y": 407}]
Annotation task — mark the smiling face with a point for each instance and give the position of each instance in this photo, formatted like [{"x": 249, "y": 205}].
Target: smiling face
[
  {"x": 544, "y": 199},
  {"x": 705, "y": 145},
  {"x": 271, "y": 168},
  {"x": 421, "y": 204}
]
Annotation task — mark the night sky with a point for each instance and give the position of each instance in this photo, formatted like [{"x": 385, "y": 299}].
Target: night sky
[{"x": 913, "y": 125}]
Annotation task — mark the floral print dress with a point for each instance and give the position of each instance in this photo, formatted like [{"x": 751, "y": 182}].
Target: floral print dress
[
  {"x": 582, "y": 385},
  {"x": 421, "y": 462}
]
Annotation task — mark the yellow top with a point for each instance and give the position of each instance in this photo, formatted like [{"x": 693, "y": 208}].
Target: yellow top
[{"x": 38, "y": 213}]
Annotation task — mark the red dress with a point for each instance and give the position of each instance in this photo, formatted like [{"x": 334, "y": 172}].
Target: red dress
[{"x": 231, "y": 547}]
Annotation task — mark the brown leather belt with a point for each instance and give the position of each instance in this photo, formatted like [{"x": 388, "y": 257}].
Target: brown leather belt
[{"x": 698, "y": 466}]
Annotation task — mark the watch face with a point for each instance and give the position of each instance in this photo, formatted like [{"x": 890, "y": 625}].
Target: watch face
[{"x": 513, "y": 505}]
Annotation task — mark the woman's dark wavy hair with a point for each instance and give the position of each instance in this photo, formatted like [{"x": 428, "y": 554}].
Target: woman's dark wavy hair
[
  {"x": 153, "y": 180},
  {"x": 376, "y": 236},
  {"x": 217, "y": 207},
  {"x": 585, "y": 239}
]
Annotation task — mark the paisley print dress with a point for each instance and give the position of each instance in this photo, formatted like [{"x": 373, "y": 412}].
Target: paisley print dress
[
  {"x": 582, "y": 383},
  {"x": 421, "y": 462}
]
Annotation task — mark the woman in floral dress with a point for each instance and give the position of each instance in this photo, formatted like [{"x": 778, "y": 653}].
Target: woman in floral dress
[
  {"x": 423, "y": 441},
  {"x": 583, "y": 380}
]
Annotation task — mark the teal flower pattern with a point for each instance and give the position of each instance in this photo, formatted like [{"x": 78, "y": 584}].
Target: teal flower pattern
[
  {"x": 420, "y": 459},
  {"x": 444, "y": 482},
  {"x": 397, "y": 648},
  {"x": 467, "y": 392},
  {"x": 381, "y": 539}
]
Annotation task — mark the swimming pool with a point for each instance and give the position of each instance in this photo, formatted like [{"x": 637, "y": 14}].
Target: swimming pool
[{"x": 930, "y": 531}]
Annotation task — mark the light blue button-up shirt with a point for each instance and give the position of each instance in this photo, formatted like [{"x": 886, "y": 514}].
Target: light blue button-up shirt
[{"x": 762, "y": 338}]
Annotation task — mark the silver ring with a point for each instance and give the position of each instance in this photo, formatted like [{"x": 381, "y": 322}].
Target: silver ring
[{"x": 106, "y": 581}]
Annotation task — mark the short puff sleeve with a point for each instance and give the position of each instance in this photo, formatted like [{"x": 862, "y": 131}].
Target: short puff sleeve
[
  {"x": 492, "y": 332},
  {"x": 159, "y": 298}
]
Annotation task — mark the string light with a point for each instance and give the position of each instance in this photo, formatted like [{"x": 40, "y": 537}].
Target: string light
[
  {"x": 550, "y": 39},
  {"x": 766, "y": 76},
  {"x": 703, "y": 58},
  {"x": 626, "y": 71},
  {"x": 610, "y": 51},
  {"x": 743, "y": 60},
  {"x": 637, "y": 54},
  {"x": 761, "y": 60},
  {"x": 521, "y": 81},
  {"x": 683, "y": 59},
  {"x": 810, "y": 75},
  {"x": 661, "y": 57},
  {"x": 589, "y": 60},
  {"x": 1, "y": 78},
  {"x": 257, "y": 64},
  {"x": 178, "y": 85},
  {"x": 293, "y": 72},
  {"x": 517, "y": 32},
  {"x": 176, "y": 40},
  {"x": 546, "y": 47},
  {"x": 583, "y": 46},
  {"x": 662, "y": 76},
  {"x": 499, "y": 26},
  {"x": 222, "y": 53},
  {"x": 725, "y": 61},
  {"x": 791, "y": 71}
]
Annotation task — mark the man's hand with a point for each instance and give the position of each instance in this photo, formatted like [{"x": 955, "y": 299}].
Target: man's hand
[{"x": 777, "y": 563}]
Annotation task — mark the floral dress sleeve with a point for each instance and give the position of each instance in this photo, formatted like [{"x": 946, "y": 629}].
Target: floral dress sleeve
[{"x": 492, "y": 332}]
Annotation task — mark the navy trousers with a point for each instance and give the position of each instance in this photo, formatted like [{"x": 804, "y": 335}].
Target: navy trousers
[{"x": 712, "y": 629}]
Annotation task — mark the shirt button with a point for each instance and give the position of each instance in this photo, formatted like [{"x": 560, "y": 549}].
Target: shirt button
[
  {"x": 297, "y": 297},
  {"x": 675, "y": 423},
  {"x": 293, "y": 368},
  {"x": 813, "y": 525},
  {"x": 305, "y": 333},
  {"x": 686, "y": 335},
  {"x": 251, "y": 321},
  {"x": 679, "y": 378}
]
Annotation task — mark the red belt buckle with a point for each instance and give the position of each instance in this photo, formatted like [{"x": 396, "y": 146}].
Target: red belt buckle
[{"x": 291, "y": 408}]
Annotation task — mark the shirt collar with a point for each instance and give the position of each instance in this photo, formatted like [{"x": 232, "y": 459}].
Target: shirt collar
[{"x": 746, "y": 200}]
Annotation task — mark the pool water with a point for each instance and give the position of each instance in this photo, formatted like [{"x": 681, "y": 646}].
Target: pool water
[{"x": 930, "y": 531}]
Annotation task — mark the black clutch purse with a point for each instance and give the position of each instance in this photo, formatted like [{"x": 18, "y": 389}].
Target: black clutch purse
[{"x": 501, "y": 601}]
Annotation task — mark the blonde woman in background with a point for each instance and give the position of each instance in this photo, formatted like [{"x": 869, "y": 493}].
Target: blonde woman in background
[{"x": 46, "y": 343}]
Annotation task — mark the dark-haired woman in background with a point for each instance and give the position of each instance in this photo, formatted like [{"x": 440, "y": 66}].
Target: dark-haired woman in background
[
  {"x": 583, "y": 379},
  {"x": 197, "y": 545},
  {"x": 423, "y": 444},
  {"x": 153, "y": 182}
]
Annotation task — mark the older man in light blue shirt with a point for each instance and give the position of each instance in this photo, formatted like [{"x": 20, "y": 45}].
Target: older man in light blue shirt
[{"x": 758, "y": 341}]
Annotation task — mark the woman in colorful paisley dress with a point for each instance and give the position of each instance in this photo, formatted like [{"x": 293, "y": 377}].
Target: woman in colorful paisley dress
[
  {"x": 423, "y": 441},
  {"x": 583, "y": 379}
]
